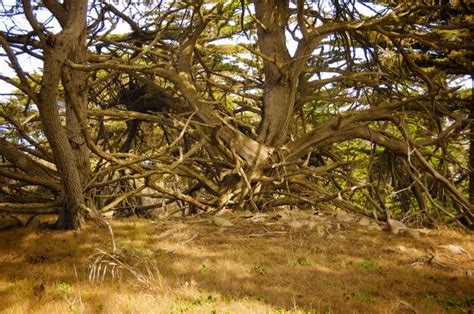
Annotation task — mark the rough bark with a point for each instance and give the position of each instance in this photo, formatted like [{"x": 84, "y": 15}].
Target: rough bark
[
  {"x": 75, "y": 85},
  {"x": 56, "y": 49},
  {"x": 279, "y": 90}
]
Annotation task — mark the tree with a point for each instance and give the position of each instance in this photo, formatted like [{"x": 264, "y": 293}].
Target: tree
[
  {"x": 317, "y": 104},
  {"x": 55, "y": 49}
]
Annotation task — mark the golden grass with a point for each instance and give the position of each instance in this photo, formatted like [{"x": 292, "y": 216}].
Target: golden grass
[{"x": 247, "y": 268}]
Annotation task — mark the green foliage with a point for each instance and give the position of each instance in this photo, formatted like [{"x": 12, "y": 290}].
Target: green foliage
[
  {"x": 301, "y": 261},
  {"x": 64, "y": 288},
  {"x": 367, "y": 264},
  {"x": 204, "y": 269},
  {"x": 204, "y": 298},
  {"x": 134, "y": 253}
]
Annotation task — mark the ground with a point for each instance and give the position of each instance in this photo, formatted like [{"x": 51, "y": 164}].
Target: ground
[{"x": 261, "y": 264}]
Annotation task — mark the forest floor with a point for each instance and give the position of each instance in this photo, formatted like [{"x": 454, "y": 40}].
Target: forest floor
[{"x": 261, "y": 264}]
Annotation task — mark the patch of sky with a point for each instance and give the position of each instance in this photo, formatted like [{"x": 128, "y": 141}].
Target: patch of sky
[
  {"x": 465, "y": 81},
  {"x": 370, "y": 9}
]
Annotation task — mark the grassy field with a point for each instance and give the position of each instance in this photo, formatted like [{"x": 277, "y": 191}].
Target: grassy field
[{"x": 194, "y": 266}]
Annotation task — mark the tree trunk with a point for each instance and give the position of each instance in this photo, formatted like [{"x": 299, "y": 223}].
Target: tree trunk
[
  {"x": 279, "y": 90},
  {"x": 278, "y": 104},
  {"x": 75, "y": 85},
  {"x": 70, "y": 214},
  {"x": 56, "y": 49}
]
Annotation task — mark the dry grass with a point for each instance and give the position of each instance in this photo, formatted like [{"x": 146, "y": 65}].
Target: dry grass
[{"x": 197, "y": 267}]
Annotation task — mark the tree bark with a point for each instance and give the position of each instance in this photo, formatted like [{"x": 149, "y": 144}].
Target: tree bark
[
  {"x": 75, "y": 86},
  {"x": 279, "y": 90},
  {"x": 70, "y": 217},
  {"x": 56, "y": 49}
]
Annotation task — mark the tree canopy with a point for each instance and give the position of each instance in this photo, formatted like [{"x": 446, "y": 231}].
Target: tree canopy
[{"x": 212, "y": 105}]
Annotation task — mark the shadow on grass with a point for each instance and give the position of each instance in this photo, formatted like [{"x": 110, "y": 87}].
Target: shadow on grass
[{"x": 242, "y": 268}]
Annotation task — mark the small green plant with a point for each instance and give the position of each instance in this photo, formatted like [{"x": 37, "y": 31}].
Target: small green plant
[
  {"x": 371, "y": 265},
  {"x": 203, "y": 299},
  {"x": 367, "y": 263},
  {"x": 133, "y": 251},
  {"x": 75, "y": 309},
  {"x": 64, "y": 288},
  {"x": 303, "y": 261},
  {"x": 204, "y": 269},
  {"x": 183, "y": 308}
]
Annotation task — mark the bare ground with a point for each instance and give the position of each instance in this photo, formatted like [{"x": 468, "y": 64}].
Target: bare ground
[{"x": 262, "y": 264}]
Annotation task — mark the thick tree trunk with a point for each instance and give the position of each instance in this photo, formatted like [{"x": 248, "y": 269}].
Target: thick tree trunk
[
  {"x": 70, "y": 213},
  {"x": 75, "y": 85},
  {"x": 279, "y": 91},
  {"x": 57, "y": 48},
  {"x": 278, "y": 105}
]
